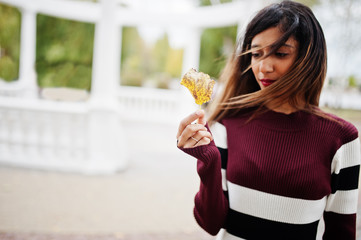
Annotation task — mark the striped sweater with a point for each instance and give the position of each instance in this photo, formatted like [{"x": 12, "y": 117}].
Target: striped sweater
[{"x": 279, "y": 177}]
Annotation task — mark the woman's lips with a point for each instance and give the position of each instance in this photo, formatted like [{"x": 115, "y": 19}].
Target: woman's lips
[{"x": 266, "y": 82}]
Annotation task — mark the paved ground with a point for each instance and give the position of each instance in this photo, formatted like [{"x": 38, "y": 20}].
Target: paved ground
[
  {"x": 151, "y": 200},
  {"x": 144, "y": 236}
]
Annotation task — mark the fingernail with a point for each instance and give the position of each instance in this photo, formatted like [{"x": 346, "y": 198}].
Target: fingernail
[{"x": 199, "y": 112}]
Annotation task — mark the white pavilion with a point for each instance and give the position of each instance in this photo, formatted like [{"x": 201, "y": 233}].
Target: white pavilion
[{"x": 88, "y": 136}]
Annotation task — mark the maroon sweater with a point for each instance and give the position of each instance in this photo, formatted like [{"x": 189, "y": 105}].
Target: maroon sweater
[{"x": 279, "y": 177}]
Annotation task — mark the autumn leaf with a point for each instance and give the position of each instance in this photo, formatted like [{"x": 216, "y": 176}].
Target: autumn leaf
[{"x": 199, "y": 84}]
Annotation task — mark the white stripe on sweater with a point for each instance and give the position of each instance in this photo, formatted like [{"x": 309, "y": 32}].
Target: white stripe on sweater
[
  {"x": 224, "y": 180},
  {"x": 219, "y": 133},
  {"x": 343, "y": 202},
  {"x": 274, "y": 207},
  {"x": 347, "y": 155},
  {"x": 224, "y": 235}
]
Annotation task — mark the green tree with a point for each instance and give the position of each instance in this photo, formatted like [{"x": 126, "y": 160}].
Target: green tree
[
  {"x": 151, "y": 64},
  {"x": 160, "y": 52},
  {"x": 168, "y": 62},
  {"x": 64, "y": 52},
  {"x": 214, "y": 42},
  {"x": 10, "y": 21},
  {"x": 309, "y": 3},
  {"x": 174, "y": 62},
  {"x": 133, "y": 56},
  {"x": 209, "y": 2}
]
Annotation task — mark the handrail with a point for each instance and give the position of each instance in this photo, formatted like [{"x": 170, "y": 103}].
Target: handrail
[
  {"x": 207, "y": 16},
  {"x": 72, "y": 10},
  {"x": 226, "y": 14}
]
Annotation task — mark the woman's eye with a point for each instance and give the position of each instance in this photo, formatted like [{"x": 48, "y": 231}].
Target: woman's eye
[
  {"x": 281, "y": 54},
  {"x": 256, "y": 54}
]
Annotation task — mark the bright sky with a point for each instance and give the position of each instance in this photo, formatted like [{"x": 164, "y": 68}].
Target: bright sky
[
  {"x": 341, "y": 22},
  {"x": 153, "y": 33}
]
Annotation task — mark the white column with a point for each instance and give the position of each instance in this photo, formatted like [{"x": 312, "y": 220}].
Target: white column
[
  {"x": 106, "y": 58},
  {"x": 27, "y": 74},
  {"x": 192, "y": 50},
  {"x": 107, "y": 147}
]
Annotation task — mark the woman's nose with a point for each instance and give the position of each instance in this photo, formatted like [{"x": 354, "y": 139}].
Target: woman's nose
[{"x": 266, "y": 65}]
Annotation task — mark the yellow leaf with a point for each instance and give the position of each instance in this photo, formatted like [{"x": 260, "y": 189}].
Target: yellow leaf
[{"x": 199, "y": 84}]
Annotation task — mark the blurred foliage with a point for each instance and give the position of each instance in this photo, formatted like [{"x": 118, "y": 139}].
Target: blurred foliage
[
  {"x": 132, "y": 73},
  {"x": 10, "y": 22},
  {"x": 310, "y": 3},
  {"x": 353, "y": 82},
  {"x": 64, "y": 52},
  {"x": 216, "y": 46},
  {"x": 209, "y": 2},
  {"x": 148, "y": 65}
]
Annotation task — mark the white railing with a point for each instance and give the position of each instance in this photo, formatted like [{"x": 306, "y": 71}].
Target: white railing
[
  {"x": 339, "y": 98},
  {"x": 154, "y": 105},
  {"x": 41, "y": 138},
  {"x": 78, "y": 136},
  {"x": 60, "y": 136}
]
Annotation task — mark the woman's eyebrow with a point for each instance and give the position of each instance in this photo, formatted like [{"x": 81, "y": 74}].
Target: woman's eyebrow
[
  {"x": 284, "y": 45},
  {"x": 288, "y": 45}
]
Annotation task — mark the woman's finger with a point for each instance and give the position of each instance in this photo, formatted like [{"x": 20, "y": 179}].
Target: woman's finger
[
  {"x": 188, "y": 132},
  {"x": 192, "y": 143},
  {"x": 188, "y": 120},
  {"x": 203, "y": 141},
  {"x": 199, "y": 138},
  {"x": 202, "y": 134}
]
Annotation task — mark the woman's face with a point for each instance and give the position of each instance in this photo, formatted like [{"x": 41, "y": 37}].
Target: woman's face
[{"x": 270, "y": 69}]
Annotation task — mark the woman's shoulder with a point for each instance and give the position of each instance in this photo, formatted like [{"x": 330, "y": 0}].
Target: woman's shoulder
[{"x": 338, "y": 126}]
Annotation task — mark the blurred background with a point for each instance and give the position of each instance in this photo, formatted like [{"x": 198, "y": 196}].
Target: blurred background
[{"x": 90, "y": 102}]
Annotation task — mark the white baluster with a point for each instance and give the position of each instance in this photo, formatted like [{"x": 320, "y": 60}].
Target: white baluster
[
  {"x": 63, "y": 125},
  {"x": 78, "y": 132},
  {"x": 45, "y": 150},
  {"x": 4, "y": 133},
  {"x": 12, "y": 118},
  {"x": 4, "y": 130}
]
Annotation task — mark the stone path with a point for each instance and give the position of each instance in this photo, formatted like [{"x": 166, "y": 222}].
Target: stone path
[
  {"x": 144, "y": 236},
  {"x": 152, "y": 199}
]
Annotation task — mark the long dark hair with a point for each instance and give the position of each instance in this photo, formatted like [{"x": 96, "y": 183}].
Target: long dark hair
[{"x": 304, "y": 80}]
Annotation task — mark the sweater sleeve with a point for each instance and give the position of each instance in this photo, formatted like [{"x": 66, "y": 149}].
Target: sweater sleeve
[
  {"x": 211, "y": 202},
  {"x": 341, "y": 206}
]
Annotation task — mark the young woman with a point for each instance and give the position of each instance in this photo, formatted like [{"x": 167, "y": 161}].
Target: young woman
[{"x": 278, "y": 167}]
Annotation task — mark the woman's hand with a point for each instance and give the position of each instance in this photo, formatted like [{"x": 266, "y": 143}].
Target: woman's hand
[{"x": 193, "y": 135}]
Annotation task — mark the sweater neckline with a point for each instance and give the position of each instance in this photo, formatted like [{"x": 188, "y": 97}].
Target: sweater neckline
[{"x": 281, "y": 121}]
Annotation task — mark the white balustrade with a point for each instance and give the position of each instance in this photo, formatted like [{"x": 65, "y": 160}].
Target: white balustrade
[
  {"x": 39, "y": 137},
  {"x": 76, "y": 137},
  {"x": 155, "y": 105}
]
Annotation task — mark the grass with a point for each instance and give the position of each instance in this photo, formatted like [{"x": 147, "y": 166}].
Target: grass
[{"x": 347, "y": 114}]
